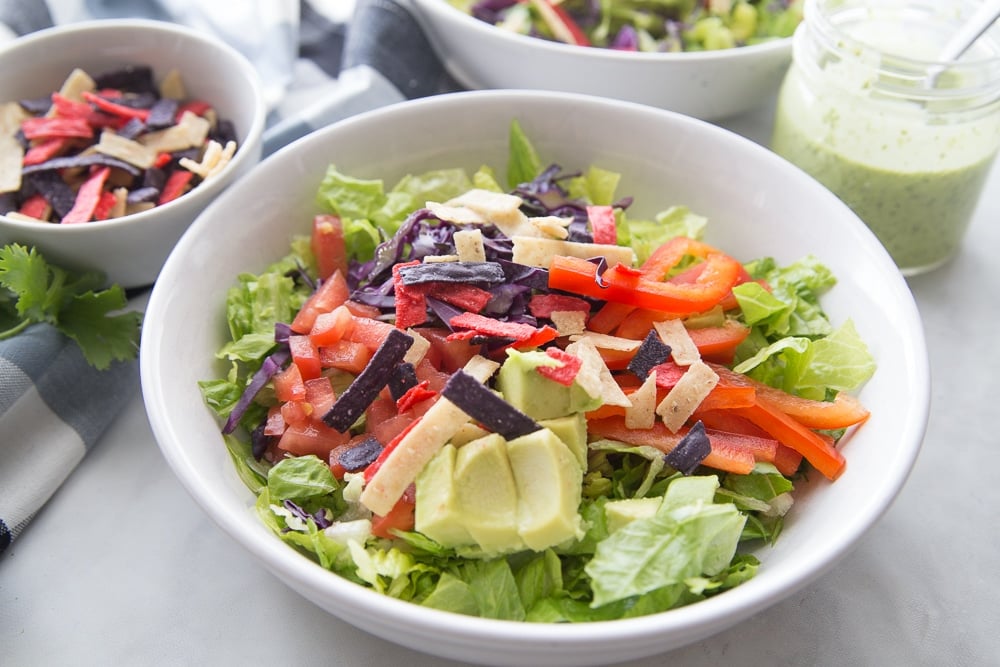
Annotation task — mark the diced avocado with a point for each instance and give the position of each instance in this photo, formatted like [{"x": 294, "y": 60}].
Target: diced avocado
[
  {"x": 438, "y": 513},
  {"x": 572, "y": 430},
  {"x": 487, "y": 494},
  {"x": 536, "y": 395},
  {"x": 549, "y": 481},
  {"x": 619, "y": 513}
]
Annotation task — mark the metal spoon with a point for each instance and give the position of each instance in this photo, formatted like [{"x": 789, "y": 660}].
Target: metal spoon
[{"x": 981, "y": 20}]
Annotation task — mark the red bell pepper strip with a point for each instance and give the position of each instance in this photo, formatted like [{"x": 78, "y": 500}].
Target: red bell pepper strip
[
  {"x": 418, "y": 393},
  {"x": 602, "y": 224},
  {"x": 562, "y": 25},
  {"x": 487, "y": 326},
  {"x": 411, "y": 300},
  {"x": 564, "y": 374},
  {"x": 115, "y": 109},
  {"x": 52, "y": 128},
  {"x": 67, "y": 108},
  {"x": 628, "y": 286},
  {"x": 175, "y": 186},
  {"x": 197, "y": 107},
  {"x": 87, "y": 197},
  {"x": 786, "y": 430},
  {"x": 162, "y": 160}
]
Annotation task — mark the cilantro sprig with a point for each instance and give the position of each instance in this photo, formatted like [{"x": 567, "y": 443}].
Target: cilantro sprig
[{"x": 34, "y": 291}]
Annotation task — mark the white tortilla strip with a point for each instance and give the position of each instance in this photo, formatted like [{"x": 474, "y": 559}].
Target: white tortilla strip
[
  {"x": 682, "y": 348},
  {"x": 685, "y": 397}
]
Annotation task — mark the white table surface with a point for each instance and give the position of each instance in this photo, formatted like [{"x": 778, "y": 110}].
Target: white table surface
[{"x": 122, "y": 568}]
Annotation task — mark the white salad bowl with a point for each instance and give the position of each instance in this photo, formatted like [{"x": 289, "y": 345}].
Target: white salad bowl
[
  {"x": 710, "y": 85},
  {"x": 130, "y": 250},
  {"x": 757, "y": 205}
]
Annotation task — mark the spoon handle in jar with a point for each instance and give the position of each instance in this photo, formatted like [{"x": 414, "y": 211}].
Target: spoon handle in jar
[{"x": 971, "y": 30}]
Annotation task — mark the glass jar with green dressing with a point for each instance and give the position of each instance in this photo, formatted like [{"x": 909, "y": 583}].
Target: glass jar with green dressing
[{"x": 906, "y": 141}]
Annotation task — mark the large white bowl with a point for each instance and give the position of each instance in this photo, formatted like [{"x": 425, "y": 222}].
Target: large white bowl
[
  {"x": 705, "y": 84},
  {"x": 757, "y": 204},
  {"x": 131, "y": 250}
]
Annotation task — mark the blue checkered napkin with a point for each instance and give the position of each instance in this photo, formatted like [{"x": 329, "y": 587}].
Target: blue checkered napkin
[{"x": 53, "y": 408}]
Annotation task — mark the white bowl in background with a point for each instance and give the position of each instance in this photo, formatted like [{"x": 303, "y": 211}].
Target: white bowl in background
[
  {"x": 710, "y": 85},
  {"x": 131, "y": 250},
  {"x": 757, "y": 205}
]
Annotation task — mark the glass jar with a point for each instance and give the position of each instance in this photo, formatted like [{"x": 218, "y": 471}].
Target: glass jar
[{"x": 905, "y": 141}]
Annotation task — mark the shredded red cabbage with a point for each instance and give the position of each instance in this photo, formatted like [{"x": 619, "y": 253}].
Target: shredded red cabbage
[{"x": 271, "y": 365}]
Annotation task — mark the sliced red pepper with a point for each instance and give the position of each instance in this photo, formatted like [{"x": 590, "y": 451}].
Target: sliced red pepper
[
  {"x": 731, "y": 391},
  {"x": 411, "y": 300},
  {"x": 562, "y": 25},
  {"x": 87, "y": 197},
  {"x": 115, "y": 109},
  {"x": 466, "y": 297},
  {"x": 731, "y": 454},
  {"x": 52, "y": 128},
  {"x": 719, "y": 344},
  {"x": 602, "y": 224},
  {"x": 566, "y": 372},
  {"x": 542, "y": 335},
  {"x": 175, "y": 186},
  {"x": 543, "y": 305},
  {"x": 844, "y": 411},
  {"x": 45, "y": 151},
  {"x": 786, "y": 430}
]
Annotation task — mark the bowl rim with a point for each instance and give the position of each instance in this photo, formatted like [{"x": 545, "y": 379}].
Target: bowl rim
[
  {"x": 445, "y": 11},
  {"x": 245, "y": 149},
  {"x": 715, "y": 614}
]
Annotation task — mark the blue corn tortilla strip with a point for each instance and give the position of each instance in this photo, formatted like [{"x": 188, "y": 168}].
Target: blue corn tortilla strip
[
  {"x": 487, "y": 273},
  {"x": 132, "y": 129},
  {"x": 144, "y": 100},
  {"x": 690, "y": 451},
  {"x": 162, "y": 113},
  {"x": 54, "y": 189},
  {"x": 37, "y": 106},
  {"x": 131, "y": 78},
  {"x": 480, "y": 403},
  {"x": 404, "y": 377},
  {"x": 365, "y": 388},
  {"x": 72, "y": 161},
  {"x": 360, "y": 456},
  {"x": 140, "y": 195},
  {"x": 650, "y": 354}
]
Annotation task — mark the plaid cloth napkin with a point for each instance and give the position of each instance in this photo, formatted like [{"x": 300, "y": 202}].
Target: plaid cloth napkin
[{"x": 53, "y": 406}]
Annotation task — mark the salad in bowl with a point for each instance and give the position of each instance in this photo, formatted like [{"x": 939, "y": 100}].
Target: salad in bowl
[{"x": 518, "y": 402}]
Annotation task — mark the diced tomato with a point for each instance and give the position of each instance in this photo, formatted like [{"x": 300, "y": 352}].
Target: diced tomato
[
  {"x": 275, "y": 424},
  {"x": 319, "y": 394},
  {"x": 312, "y": 437},
  {"x": 288, "y": 384},
  {"x": 331, "y": 293},
  {"x": 447, "y": 355},
  {"x": 327, "y": 244},
  {"x": 362, "y": 309},
  {"x": 345, "y": 355},
  {"x": 380, "y": 410},
  {"x": 436, "y": 379},
  {"x": 296, "y": 413},
  {"x": 401, "y": 517},
  {"x": 329, "y": 328},
  {"x": 336, "y": 467},
  {"x": 602, "y": 224},
  {"x": 368, "y": 332},
  {"x": 305, "y": 355}
]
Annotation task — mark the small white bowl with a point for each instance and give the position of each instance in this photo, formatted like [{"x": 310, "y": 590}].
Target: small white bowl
[
  {"x": 757, "y": 204},
  {"x": 131, "y": 250},
  {"x": 710, "y": 85}
]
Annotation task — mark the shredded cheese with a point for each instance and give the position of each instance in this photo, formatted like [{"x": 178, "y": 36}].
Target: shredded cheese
[
  {"x": 213, "y": 160},
  {"x": 685, "y": 396}
]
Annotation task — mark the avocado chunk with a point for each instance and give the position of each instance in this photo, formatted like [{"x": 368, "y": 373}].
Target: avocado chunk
[
  {"x": 534, "y": 394},
  {"x": 548, "y": 479},
  {"x": 487, "y": 494},
  {"x": 438, "y": 512},
  {"x": 620, "y": 513},
  {"x": 572, "y": 430}
]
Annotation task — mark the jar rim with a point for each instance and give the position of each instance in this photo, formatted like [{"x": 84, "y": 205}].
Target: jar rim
[{"x": 973, "y": 76}]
